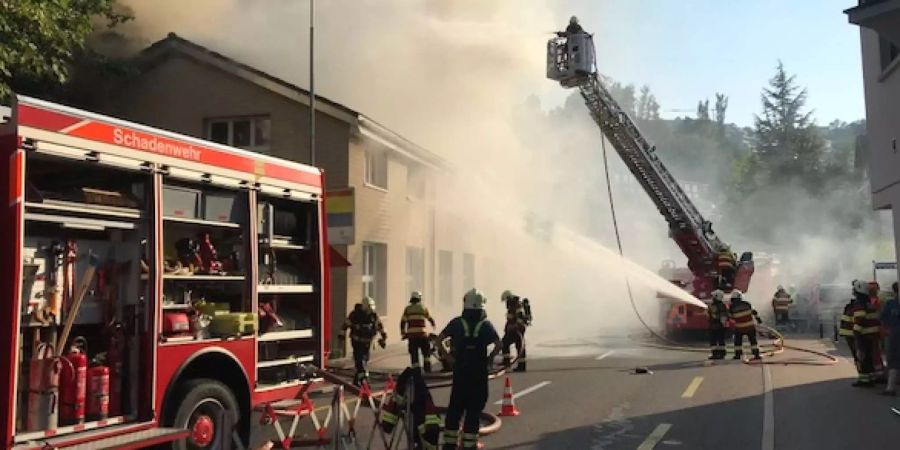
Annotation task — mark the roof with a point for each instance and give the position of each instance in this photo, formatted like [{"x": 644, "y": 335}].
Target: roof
[
  {"x": 156, "y": 52},
  {"x": 359, "y": 123}
]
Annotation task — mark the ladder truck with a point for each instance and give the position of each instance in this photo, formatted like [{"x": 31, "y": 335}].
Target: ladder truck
[{"x": 571, "y": 62}]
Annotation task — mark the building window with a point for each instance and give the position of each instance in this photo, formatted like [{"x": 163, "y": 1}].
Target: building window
[
  {"x": 374, "y": 278},
  {"x": 415, "y": 182},
  {"x": 251, "y": 133},
  {"x": 468, "y": 271},
  {"x": 889, "y": 52},
  {"x": 445, "y": 277},
  {"x": 415, "y": 269},
  {"x": 377, "y": 168}
]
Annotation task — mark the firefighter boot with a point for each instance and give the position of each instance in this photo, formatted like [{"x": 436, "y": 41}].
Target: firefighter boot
[
  {"x": 520, "y": 367},
  {"x": 756, "y": 356},
  {"x": 890, "y": 389},
  {"x": 427, "y": 365},
  {"x": 738, "y": 354},
  {"x": 507, "y": 360}
]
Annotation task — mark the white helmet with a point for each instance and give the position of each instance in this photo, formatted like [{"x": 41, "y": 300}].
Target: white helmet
[
  {"x": 416, "y": 295},
  {"x": 860, "y": 287},
  {"x": 505, "y": 295},
  {"x": 736, "y": 295},
  {"x": 473, "y": 299},
  {"x": 573, "y": 20},
  {"x": 718, "y": 295},
  {"x": 368, "y": 303}
]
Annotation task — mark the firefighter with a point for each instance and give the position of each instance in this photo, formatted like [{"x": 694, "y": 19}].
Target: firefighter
[
  {"x": 426, "y": 424},
  {"x": 781, "y": 303},
  {"x": 865, "y": 331},
  {"x": 846, "y": 331},
  {"x": 514, "y": 331},
  {"x": 470, "y": 334},
  {"x": 725, "y": 261},
  {"x": 718, "y": 314},
  {"x": 412, "y": 328},
  {"x": 890, "y": 318},
  {"x": 743, "y": 315},
  {"x": 364, "y": 324}
]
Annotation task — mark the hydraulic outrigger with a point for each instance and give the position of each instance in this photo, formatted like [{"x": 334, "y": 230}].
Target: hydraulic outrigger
[{"x": 571, "y": 62}]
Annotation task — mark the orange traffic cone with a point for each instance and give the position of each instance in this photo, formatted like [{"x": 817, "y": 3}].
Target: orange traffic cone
[{"x": 508, "y": 407}]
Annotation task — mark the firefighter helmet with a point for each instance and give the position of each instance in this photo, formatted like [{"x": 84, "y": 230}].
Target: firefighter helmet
[
  {"x": 473, "y": 299},
  {"x": 573, "y": 20},
  {"x": 368, "y": 303},
  {"x": 415, "y": 296},
  {"x": 737, "y": 296},
  {"x": 506, "y": 295},
  {"x": 718, "y": 295},
  {"x": 860, "y": 287}
]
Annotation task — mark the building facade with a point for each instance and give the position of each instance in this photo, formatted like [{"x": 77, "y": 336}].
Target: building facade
[
  {"x": 380, "y": 187},
  {"x": 879, "y": 22}
]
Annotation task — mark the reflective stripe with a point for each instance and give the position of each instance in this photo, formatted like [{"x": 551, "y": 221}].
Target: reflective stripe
[
  {"x": 741, "y": 314},
  {"x": 867, "y": 330},
  {"x": 467, "y": 331},
  {"x": 432, "y": 419},
  {"x": 450, "y": 437},
  {"x": 388, "y": 417}
]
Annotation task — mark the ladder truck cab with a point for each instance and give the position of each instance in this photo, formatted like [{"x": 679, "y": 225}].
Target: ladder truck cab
[
  {"x": 571, "y": 62},
  {"x": 156, "y": 287}
]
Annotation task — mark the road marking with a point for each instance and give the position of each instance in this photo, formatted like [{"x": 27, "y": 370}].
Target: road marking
[
  {"x": 768, "y": 431},
  {"x": 655, "y": 436},
  {"x": 525, "y": 391},
  {"x": 692, "y": 388},
  {"x": 605, "y": 355}
]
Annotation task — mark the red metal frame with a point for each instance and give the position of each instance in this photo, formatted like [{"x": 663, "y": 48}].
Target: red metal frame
[{"x": 74, "y": 129}]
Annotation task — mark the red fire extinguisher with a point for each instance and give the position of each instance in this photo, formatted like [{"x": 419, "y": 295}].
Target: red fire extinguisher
[
  {"x": 114, "y": 361},
  {"x": 73, "y": 383},
  {"x": 98, "y": 390}
]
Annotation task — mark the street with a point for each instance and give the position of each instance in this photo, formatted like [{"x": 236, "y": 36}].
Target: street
[{"x": 595, "y": 401}]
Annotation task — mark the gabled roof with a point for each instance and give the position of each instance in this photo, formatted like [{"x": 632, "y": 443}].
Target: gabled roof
[
  {"x": 359, "y": 124},
  {"x": 159, "y": 50}
]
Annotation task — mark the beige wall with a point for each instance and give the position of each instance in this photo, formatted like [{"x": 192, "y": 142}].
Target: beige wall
[
  {"x": 179, "y": 93},
  {"x": 882, "y": 90}
]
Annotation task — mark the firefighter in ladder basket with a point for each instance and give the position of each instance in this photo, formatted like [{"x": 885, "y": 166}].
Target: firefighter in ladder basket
[
  {"x": 412, "y": 327},
  {"x": 364, "y": 324},
  {"x": 470, "y": 334}
]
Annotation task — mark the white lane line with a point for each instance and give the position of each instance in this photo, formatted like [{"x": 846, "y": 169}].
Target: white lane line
[
  {"x": 605, "y": 355},
  {"x": 692, "y": 388},
  {"x": 655, "y": 436},
  {"x": 768, "y": 431},
  {"x": 525, "y": 391}
]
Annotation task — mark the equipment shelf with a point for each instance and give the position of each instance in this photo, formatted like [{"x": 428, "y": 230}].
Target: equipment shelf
[
  {"x": 203, "y": 277},
  {"x": 285, "y": 361},
  {"x": 85, "y": 208},
  {"x": 285, "y": 289},
  {"x": 206, "y": 223},
  {"x": 285, "y": 335}
]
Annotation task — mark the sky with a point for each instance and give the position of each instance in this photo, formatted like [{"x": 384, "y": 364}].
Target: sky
[{"x": 686, "y": 50}]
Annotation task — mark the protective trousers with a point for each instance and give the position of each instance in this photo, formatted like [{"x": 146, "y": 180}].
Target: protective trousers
[
  {"x": 467, "y": 398},
  {"x": 360, "y": 360},
  {"x": 516, "y": 338},
  {"x": 717, "y": 341},
  {"x": 851, "y": 343},
  {"x": 865, "y": 346},
  {"x": 417, "y": 345},
  {"x": 739, "y": 343}
]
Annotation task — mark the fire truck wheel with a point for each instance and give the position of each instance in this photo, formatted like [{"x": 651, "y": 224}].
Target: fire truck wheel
[{"x": 202, "y": 408}]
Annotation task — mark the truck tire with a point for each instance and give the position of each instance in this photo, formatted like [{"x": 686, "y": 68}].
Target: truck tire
[{"x": 201, "y": 405}]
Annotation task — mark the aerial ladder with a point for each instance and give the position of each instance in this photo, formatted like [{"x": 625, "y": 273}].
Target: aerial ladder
[{"x": 571, "y": 62}]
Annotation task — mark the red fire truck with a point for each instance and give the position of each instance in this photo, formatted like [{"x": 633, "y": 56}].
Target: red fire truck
[{"x": 157, "y": 287}]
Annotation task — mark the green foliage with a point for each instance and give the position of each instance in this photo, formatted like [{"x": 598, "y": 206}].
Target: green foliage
[
  {"x": 42, "y": 38},
  {"x": 647, "y": 106}
]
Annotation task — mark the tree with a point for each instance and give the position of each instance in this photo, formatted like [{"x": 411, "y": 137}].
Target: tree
[
  {"x": 788, "y": 143},
  {"x": 42, "y": 38},
  {"x": 703, "y": 110},
  {"x": 721, "y": 108},
  {"x": 647, "y": 106}
]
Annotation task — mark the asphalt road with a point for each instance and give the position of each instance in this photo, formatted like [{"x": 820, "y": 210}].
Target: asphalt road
[{"x": 591, "y": 399}]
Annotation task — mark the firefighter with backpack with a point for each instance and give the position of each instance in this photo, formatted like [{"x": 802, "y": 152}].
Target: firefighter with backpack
[
  {"x": 364, "y": 324},
  {"x": 471, "y": 334},
  {"x": 517, "y": 321},
  {"x": 743, "y": 315}
]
